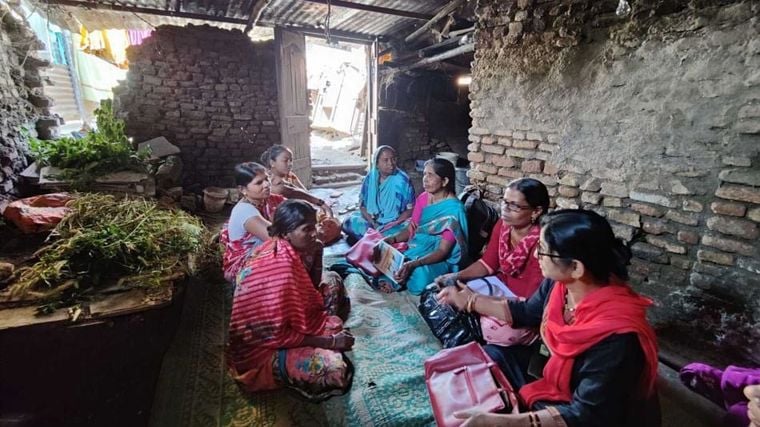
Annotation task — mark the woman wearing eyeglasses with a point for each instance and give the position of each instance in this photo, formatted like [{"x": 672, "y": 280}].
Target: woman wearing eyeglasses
[
  {"x": 508, "y": 259},
  {"x": 600, "y": 353}
]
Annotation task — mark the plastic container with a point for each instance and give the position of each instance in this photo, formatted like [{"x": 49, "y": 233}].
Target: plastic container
[
  {"x": 448, "y": 155},
  {"x": 214, "y": 199}
]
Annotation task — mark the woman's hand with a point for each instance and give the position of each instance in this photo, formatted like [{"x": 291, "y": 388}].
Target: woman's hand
[
  {"x": 456, "y": 296},
  {"x": 403, "y": 273},
  {"x": 753, "y": 407},
  {"x": 327, "y": 209},
  {"x": 444, "y": 280},
  {"x": 344, "y": 341}
]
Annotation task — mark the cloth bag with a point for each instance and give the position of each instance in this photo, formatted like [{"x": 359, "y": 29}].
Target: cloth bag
[
  {"x": 494, "y": 330},
  {"x": 452, "y": 327},
  {"x": 360, "y": 254},
  {"x": 464, "y": 378}
]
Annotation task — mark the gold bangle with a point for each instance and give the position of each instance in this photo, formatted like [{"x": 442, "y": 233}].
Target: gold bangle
[
  {"x": 332, "y": 345},
  {"x": 530, "y": 418},
  {"x": 468, "y": 306}
]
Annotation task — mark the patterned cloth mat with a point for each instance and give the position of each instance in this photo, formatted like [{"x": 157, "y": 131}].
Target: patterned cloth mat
[{"x": 392, "y": 342}]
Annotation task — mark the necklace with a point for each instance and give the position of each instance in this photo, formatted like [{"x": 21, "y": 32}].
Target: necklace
[{"x": 567, "y": 304}]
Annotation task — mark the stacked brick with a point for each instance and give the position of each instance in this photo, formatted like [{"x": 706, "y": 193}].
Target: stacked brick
[{"x": 211, "y": 92}]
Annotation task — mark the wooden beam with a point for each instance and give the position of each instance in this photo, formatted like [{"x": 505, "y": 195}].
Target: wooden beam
[
  {"x": 441, "y": 56},
  {"x": 371, "y": 8},
  {"x": 335, "y": 34},
  {"x": 425, "y": 51},
  {"x": 257, "y": 8},
  {"x": 178, "y": 6},
  {"x": 148, "y": 11},
  {"x": 438, "y": 16}
]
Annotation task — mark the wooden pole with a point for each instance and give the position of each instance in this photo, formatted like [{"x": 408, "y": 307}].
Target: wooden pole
[
  {"x": 441, "y": 56},
  {"x": 256, "y": 11},
  {"x": 438, "y": 16},
  {"x": 371, "y": 8}
]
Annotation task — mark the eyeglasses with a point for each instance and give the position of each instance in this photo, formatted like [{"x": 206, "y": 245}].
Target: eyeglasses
[
  {"x": 540, "y": 254},
  {"x": 514, "y": 207}
]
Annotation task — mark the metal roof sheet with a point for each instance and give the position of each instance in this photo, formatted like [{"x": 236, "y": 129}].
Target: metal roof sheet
[{"x": 297, "y": 13}]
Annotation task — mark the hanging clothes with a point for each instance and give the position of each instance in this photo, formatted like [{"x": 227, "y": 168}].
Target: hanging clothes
[
  {"x": 136, "y": 37},
  {"x": 117, "y": 43}
]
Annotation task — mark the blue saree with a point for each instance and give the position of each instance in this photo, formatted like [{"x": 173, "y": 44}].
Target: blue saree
[
  {"x": 446, "y": 215},
  {"x": 385, "y": 201}
]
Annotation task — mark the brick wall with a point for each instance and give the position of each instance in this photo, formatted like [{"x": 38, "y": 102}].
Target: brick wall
[
  {"x": 212, "y": 92},
  {"x": 652, "y": 120}
]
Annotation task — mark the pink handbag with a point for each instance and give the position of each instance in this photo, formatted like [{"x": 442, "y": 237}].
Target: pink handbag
[
  {"x": 500, "y": 333},
  {"x": 464, "y": 378},
  {"x": 360, "y": 254}
]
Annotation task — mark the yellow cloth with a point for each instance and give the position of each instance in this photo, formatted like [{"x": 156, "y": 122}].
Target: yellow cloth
[{"x": 117, "y": 42}]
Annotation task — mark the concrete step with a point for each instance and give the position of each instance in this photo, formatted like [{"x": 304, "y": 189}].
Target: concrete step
[
  {"x": 340, "y": 184},
  {"x": 336, "y": 177},
  {"x": 321, "y": 170}
]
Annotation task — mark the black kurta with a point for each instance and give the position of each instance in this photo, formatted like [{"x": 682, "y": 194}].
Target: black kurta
[{"x": 604, "y": 379}]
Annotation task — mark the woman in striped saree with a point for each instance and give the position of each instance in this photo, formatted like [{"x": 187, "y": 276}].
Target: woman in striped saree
[{"x": 286, "y": 329}]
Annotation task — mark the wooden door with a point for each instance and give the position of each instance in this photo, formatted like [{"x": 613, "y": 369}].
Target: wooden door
[
  {"x": 292, "y": 95},
  {"x": 372, "y": 100}
]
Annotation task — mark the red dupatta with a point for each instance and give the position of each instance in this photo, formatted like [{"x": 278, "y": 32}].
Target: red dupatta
[
  {"x": 274, "y": 307},
  {"x": 513, "y": 261},
  {"x": 612, "y": 309}
]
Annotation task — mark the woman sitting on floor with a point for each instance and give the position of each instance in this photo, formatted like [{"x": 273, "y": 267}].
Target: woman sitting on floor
[
  {"x": 386, "y": 198},
  {"x": 508, "y": 260},
  {"x": 279, "y": 158},
  {"x": 437, "y": 232},
  {"x": 602, "y": 352},
  {"x": 247, "y": 226},
  {"x": 286, "y": 329}
]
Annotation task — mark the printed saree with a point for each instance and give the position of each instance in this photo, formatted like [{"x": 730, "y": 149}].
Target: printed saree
[
  {"x": 275, "y": 307},
  {"x": 445, "y": 215},
  {"x": 385, "y": 201}
]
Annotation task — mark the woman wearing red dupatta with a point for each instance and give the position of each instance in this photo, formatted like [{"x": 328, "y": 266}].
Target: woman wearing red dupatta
[
  {"x": 508, "y": 259},
  {"x": 600, "y": 361},
  {"x": 285, "y": 329}
]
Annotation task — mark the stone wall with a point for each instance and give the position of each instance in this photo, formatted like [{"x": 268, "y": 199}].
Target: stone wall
[
  {"x": 211, "y": 92},
  {"x": 652, "y": 120},
  {"x": 21, "y": 99}
]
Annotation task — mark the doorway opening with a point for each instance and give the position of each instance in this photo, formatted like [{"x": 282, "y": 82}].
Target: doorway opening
[{"x": 337, "y": 81}]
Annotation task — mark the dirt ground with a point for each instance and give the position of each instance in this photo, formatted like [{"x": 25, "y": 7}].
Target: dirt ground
[{"x": 331, "y": 150}]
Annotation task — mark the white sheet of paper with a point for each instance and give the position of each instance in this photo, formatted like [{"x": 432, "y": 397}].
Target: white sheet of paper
[{"x": 497, "y": 288}]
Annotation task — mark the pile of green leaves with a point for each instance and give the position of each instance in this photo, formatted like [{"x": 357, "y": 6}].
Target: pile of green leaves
[
  {"x": 106, "y": 241},
  {"x": 104, "y": 150}
]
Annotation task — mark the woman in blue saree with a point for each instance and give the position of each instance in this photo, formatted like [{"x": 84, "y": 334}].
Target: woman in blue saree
[
  {"x": 386, "y": 198},
  {"x": 437, "y": 232}
]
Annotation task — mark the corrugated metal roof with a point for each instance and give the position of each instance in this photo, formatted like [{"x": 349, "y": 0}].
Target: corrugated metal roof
[{"x": 298, "y": 13}]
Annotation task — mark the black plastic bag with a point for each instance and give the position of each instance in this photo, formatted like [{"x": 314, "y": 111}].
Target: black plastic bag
[{"x": 450, "y": 326}]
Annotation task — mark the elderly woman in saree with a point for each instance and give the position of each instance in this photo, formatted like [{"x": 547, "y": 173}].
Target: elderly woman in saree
[
  {"x": 286, "y": 329},
  {"x": 386, "y": 198},
  {"x": 437, "y": 233}
]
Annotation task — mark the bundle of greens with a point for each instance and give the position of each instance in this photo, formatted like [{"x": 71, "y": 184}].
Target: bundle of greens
[
  {"x": 101, "y": 151},
  {"x": 107, "y": 241}
]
